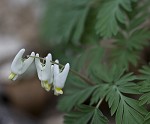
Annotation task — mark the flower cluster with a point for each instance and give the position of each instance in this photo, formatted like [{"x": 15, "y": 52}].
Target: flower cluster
[{"x": 48, "y": 73}]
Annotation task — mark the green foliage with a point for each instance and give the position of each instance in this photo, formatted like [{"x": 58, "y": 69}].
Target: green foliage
[
  {"x": 145, "y": 71},
  {"x": 77, "y": 94},
  {"x": 129, "y": 112},
  {"x": 132, "y": 36},
  {"x": 110, "y": 82},
  {"x": 127, "y": 109},
  {"x": 78, "y": 26},
  {"x": 78, "y": 90},
  {"x": 64, "y": 20},
  {"x": 138, "y": 16},
  {"x": 88, "y": 59},
  {"x": 147, "y": 119},
  {"x": 110, "y": 12},
  {"x": 145, "y": 89},
  {"x": 85, "y": 114},
  {"x": 99, "y": 93},
  {"x": 128, "y": 47},
  {"x": 145, "y": 85},
  {"x": 75, "y": 21}
]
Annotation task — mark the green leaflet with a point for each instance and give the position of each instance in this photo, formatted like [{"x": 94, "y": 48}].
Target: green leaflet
[
  {"x": 76, "y": 93},
  {"x": 99, "y": 118},
  {"x": 145, "y": 85},
  {"x": 77, "y": 97},
  {"x": 127, "y": 109},
  {"x": 99, "y": 93},
  {"x": 88, "y": 59},
  {"x": 132, "y": 37},
  {"x": 128, "y": 115},
  {"x": 125, "y": 57},
  {"x": 84, "y": 115},
  {"x": 145, "y": 71},
  {"x": 139, "y": 14},
  {"x": 64, "y": 20},
  {"x": 109, "y": 74},
  {"x": 115, "y": 83},
  {"x": 128, "y": 50},
  {"x": 76, "y": 89},
  {"x": 89, "y": 35},
  {"x": 147, "y": 119},
  {"x": 112, "y": 77},
  {"x": 110, "y": 12},
  {"x": 145, "y": 98}
]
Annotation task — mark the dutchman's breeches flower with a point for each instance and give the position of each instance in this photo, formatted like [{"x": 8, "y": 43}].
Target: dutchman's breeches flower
[
  {"x": 45, "y": 72},
  {"x": 20, "y": 65},
  {"x": 48, "y": 71},
  {"x": 60, "y": 77}
]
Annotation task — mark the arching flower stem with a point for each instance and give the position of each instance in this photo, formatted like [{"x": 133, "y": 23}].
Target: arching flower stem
[{"x": 71, "y": 70}]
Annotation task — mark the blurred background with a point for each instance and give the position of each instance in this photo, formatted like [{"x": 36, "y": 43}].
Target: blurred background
[{"x": 23, "y": 101}]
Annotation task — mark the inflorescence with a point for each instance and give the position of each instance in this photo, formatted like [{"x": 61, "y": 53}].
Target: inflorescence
[{"x": 49, "y": 72}]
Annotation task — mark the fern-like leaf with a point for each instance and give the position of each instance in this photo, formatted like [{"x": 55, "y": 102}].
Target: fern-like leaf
[
  {"x": 65, "y": 19},
  {"x": 132, "y": 36},
  {"x": 84, "y": 115},
  {"x": 76, "y": 93},
  {"x": 115, "y": 84},
  {"x": 145, "y": 85},
  {"x": 147, "y": 119},
  {"x": 111, "y": 12},
  {"x": 128, "y": 49}
]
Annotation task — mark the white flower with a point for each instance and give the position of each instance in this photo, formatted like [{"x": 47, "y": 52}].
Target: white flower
[
  {"x": 45, "y": 72},
  {"x": 20, "y": 65},
  {"x": 60, "y": 77}
]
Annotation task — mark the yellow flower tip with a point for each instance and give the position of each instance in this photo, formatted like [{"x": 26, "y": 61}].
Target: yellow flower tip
[
  {"x": 11, "y": 76},
  {"x": 46, "y": 85},
  {"x": 58, "y": 90}
]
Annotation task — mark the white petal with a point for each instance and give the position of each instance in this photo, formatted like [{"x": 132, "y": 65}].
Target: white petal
[
  {"x": 65, "y": 70},
  {"x": 50, "y": 69},
  {"x": 16, "y": 65},
  {"x": 38, "y": 66},
  {"x": 46, "y": 71},
  {"x": 37, "y": 62},
  {"x": 18, "y": 56},
  {"x": 60, "y": 79},
  {"x": 48, "y": 61},
  {"x": 56, "y": 68},
  {"x": 52, "y": 75},
  {"x": 27, "y": 63}
]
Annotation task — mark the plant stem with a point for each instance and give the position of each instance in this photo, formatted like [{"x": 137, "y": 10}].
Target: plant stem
[
  {"x": 76, "y": 73},
  {"x": 99, "y": 103},
  {"x": 71, "y": 70},
  {"x": 82, "y": 77}
]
